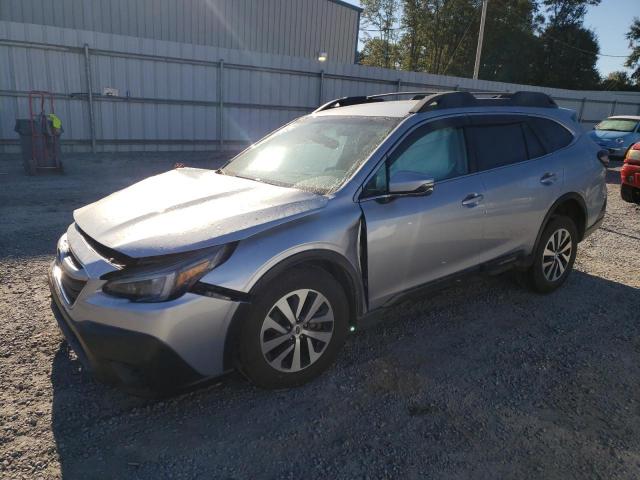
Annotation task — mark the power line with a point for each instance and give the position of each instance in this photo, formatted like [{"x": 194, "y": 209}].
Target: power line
[{"x": 590, "y": 52}]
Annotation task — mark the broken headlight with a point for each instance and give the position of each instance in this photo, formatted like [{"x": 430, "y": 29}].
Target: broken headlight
[{"x": 159, "y": 280}]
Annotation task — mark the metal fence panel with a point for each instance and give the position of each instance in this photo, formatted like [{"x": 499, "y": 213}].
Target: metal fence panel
[{"x": 171, "y": 96}]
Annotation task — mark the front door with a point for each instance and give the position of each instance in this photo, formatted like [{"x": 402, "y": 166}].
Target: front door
[{"x": 412, "y": 240}]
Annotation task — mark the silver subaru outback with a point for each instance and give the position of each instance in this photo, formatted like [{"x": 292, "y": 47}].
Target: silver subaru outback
[{"x": 266, "y": 264}]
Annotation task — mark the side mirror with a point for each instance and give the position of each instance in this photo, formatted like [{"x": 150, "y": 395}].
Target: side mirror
[{"x": 410, "y": 183}]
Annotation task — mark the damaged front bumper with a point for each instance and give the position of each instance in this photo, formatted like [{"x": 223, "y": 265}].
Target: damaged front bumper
[{"x": 141, "y": 347}]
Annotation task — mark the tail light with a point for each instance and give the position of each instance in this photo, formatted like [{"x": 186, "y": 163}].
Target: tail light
[{"x": 633, "y": 155}]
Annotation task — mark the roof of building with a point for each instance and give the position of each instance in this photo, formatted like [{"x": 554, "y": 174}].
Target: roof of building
[{"x": 347, "y": 4}]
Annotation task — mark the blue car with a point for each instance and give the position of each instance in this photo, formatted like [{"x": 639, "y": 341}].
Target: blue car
[{"x": 617, "y": 134}]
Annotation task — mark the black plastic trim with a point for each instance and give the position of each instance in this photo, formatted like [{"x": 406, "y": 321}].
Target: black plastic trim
[
  {"x": 492, "y": 267},
  {"x": 552, "y": 209},
  {"x": 454, "y": 99}
]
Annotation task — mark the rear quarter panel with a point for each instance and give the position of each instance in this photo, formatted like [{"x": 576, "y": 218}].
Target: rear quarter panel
[{"x": 585, "y": 174}]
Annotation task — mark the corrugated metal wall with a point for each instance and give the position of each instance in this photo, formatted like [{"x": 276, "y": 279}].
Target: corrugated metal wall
[
  {"x": 298, "y": 28},
  {"x": 171, "y": 96}
]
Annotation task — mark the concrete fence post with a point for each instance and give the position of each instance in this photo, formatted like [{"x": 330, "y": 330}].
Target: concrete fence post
[
  {"x": 87, "y": 68},
  {"x": 221, "y": 118}
]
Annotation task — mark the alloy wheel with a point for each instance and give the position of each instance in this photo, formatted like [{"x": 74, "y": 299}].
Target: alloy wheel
[
  {"x": 297, "y": 330},
  {"x": 556, "y": 254}
]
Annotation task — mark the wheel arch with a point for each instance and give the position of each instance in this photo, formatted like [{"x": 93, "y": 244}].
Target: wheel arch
[
  {"x": 572, "y": 205},
  {"x": 332, "y": 262}
]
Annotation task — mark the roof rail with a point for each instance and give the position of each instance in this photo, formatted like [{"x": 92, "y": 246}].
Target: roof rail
[
  {"x": 346, "y": 101},
  {"x": 482, "y": 99},
  {"x": 455, "y": 99}
]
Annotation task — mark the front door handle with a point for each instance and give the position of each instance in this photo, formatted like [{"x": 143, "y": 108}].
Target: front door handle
[
  {"x": 472, "y": 200},
  {"x": 548, "y": 178}
]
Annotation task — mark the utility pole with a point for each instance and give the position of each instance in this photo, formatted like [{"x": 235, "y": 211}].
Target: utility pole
[{"x": 476, "y": 67}]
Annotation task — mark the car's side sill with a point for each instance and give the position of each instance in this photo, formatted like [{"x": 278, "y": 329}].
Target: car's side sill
[{"x": 493, "y": 267}]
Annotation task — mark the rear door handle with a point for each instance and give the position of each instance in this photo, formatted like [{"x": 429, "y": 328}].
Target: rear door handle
[
  {"x": 548, "y": 178},
  {"x": 472, "y": 200}
]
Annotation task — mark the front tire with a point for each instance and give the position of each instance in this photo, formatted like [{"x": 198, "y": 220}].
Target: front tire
[
  {"x": 295, "y": 328},
  {"x": 630, "y": 194},
  {"x": 554, "y": 256}
]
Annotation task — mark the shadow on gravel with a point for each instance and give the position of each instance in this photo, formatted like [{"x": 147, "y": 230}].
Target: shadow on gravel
[
  {"x": 484, "y": 380},
  {"x": 613, "y": 172}
]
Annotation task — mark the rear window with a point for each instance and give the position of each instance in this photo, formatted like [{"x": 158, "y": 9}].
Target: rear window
[
  {"x": 552, "y": 135},
  {"x": 534, "y": 145},
  {"x": 498, "y": 145}
]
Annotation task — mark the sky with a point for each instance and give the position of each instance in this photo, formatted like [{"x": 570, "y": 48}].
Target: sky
[{"x": 610, "y": 21}]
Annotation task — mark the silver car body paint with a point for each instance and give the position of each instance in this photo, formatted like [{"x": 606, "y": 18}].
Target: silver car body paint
[
  {"x": 187, "y": 209},
  {"x": 409, "y": 241}
]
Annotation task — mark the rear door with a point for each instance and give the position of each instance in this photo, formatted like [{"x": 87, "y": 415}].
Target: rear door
[
  {"x": 412, "y": 240},
  {"x": 521, "y": 179}
]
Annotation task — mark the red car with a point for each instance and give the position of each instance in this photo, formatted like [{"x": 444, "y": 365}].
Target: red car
[{"x": 630, "y": 175}]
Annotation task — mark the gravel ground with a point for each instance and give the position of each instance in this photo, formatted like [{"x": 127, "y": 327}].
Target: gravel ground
[{"x": 482, "y": 380}]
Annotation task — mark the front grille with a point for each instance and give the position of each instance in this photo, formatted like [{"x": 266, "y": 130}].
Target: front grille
[{"x": 71, "y": 284}]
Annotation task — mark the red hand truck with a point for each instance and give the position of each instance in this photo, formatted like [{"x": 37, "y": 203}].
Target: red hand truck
[{"x": 45, "y": 146}]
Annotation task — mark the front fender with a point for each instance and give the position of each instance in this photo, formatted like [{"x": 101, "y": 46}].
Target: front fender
[{"x": 331, "y": 234}]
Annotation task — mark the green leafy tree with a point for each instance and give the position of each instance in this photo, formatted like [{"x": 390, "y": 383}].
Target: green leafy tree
[
  {"x": 437, "y": 35},
  {"x": 380, "y": 53},
  {"x": 619, "y": 81},
  {"x": 380, "y": 19},
  {"x": 568, "y": 12},
  {"x": 633, "y": 61},
  {"x": 568, "y": 50},
  {"x": 510, "y": 47}
]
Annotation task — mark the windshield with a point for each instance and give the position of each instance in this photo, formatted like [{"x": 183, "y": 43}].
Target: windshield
[
  {"x": 617, "y": 125},
  {"x": 313, "y": 153}
]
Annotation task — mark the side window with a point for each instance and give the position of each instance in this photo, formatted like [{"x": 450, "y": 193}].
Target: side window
[
  {"x": 498, "y": 145},
  {"x": 534, "y": 145},
  {"x": 553, "y": 135},
  {"x": 440, "y": 153}
]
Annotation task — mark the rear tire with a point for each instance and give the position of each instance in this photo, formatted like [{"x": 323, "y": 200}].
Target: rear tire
[
  {"x": 294, "y": 329},
  {"x": 554, "y": 255}
]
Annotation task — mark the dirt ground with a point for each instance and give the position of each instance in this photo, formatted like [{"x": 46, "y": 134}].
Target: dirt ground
[{"x": 482, "y": 380}]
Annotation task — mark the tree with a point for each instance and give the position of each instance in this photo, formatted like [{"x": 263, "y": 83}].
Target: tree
[
  {"x": 437, "y": 35},
  {"x": 510, "y": 46},
  {"x": 413, "y": 24},
  {"x": 633, "y": 60},
  {"x": 380, "y": 17},
  {"x": 380, "y": 53},
  {"x": 618, "y": 81},
  {"x": 568, "y": 12},
  {"x": 569, "y": 51}
]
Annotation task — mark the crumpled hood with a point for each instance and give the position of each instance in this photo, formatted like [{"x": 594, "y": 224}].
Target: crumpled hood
[{"x": 186, "y": 209}]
